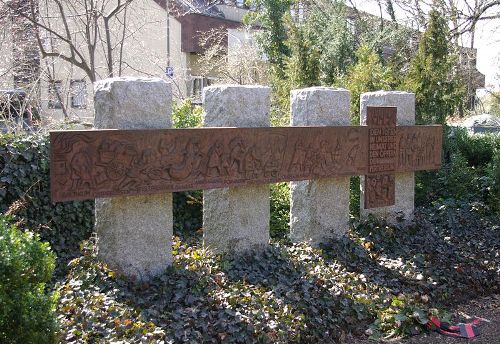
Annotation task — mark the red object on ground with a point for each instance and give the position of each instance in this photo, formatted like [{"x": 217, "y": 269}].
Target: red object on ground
[{"x": 468, "y": 330}]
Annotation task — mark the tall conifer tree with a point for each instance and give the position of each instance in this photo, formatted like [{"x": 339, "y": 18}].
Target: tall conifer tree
[{"x": 431, "y": 76}]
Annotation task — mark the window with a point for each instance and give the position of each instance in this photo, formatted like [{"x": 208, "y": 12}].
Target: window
[
  {"x": 55, "y": 95},
  {"x": 198, "y": 83},
  {"x": 78, "y": 94}
]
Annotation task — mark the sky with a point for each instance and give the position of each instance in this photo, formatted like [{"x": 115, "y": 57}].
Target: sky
[{"x": 487, "y": 41}]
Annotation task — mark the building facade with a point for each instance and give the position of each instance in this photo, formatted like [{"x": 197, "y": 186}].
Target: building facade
[{"x": 147, "y": 38}]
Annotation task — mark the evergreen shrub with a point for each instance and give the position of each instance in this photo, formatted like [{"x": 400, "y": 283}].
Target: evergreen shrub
[
  {"x": 470, "y": 171},
  {"x": 25, "y": 190},
  {"x": 280, "y": 210},
  {"x": 27, "y": 311}
]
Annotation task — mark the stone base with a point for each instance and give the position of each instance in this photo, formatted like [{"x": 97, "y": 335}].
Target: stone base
[
  {"x": 236, "y": 219},
  {"x": 135, "y": 234},
  {"x": 319, "y": 210}
]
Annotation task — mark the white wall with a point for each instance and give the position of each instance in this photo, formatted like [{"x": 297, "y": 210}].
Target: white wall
[{"x": 144, "y": 54}]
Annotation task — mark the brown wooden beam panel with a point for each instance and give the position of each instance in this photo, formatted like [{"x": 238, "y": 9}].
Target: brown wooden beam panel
[{"x": 105, "y": 163}]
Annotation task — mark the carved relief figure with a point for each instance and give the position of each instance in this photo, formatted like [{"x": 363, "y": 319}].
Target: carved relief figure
[
  {"x": 65, "y": 144},
  {"x": 116, "y": 158},
  {"x": 190, "y": 163},
  {"x": 237, "y": 155},
  {"x": 81, "y": 167},
  {"x": 253, "y": 164},
  {"x": 412, "y": 151},
  {"x": 215, "y": 162},
  {"x": 325, "y": 156},
  {"x": 353, "y": 147},
  {"x": 274, "y": 154},
  {"x": 402, "y": 151},
  {"x": 431, "y": 144},
  {"x": 138, "y": 174},
  {"x": 380, "y": 190},
  {"x": 166, "y": 147},
  {"x": 336, "y": 155},
  {"x": 299, "y": 157}
]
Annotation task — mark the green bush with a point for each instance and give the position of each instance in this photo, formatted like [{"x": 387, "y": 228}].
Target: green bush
[
  {"x": 478, "y": 150},
  {"x": 354, "y": 196},
  {"x": 470, "y": 171},
  {"x": 280, "y": 210},
  {"x": 187, "y": 205},
  {"x": 186, "y": 115},
  {"x": 187, "y": 212},
  {"x": 27, "y": 311},
  {"x": 25, "y": 189}
]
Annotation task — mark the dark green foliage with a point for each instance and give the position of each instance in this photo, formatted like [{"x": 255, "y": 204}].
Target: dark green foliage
[
  {"x": 354, "y": 196},
  {"x": 27, "y": 311},
  {"x": 270, "y": 14},
  {"x": 312, "y": 51},
  {"x": 302, "y": 67},
  {"x": 186, "y": 115},
  {"x": 368, "y": 74},
  {"x": 478, "y": 150},
  {"x": 187, "y": 212},
  {"x": 25, "y": 189},
  {"x": 329, "y": 31},
  {"x": 470, "y": 172},
  {"x": 280, "y": 210},
  {"x": 188, "y": 205},
  {"x": 438, "y": 90},
  {"x": 390, "y": 10},
  {"x": 389, "y": 276}
]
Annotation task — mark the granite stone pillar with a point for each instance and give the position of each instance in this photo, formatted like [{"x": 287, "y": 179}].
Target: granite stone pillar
[
  {"x": 319, "y": 209},
  {"x": 405, "y": 182},
  {"x": 134, "y": 233},
  {"x": 236, "y": 219}
]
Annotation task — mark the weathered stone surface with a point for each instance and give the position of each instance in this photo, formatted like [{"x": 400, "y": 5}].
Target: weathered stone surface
[
  {"x": 236, "y": 219},
  {"x": 134, "y": 233},
  {"x": 319, "y": 209},
  {"x": 405, "y": 182},
  {"x": 132, "y": 103},
  {"x": 320, "y": 106},
  {"x": 236, "y": 106}
]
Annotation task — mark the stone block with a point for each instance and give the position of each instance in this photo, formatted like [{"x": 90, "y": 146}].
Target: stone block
[
  {"x": 236, "y": 219},
  {"x": 132, "y": 103},
  {"x": 134, "y": 233},
  {"x": 404, "y": 182},
  {"x": 319, "y": 209}
]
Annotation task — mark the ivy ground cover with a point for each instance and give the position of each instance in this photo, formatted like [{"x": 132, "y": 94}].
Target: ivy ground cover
[{"x": 380, "y": 282}]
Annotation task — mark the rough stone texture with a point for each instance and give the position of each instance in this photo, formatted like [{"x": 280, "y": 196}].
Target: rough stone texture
[
  {"x": 236, "y": 219},
  {"x": 134, "y": 233},
  {"x": 316, "y": 106},
  {"x": 132, "y": 103},
  {"x": 319, "y": 209},
  {"x": 236, "y": 106},
  {"x": 405, "y": 182}
]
